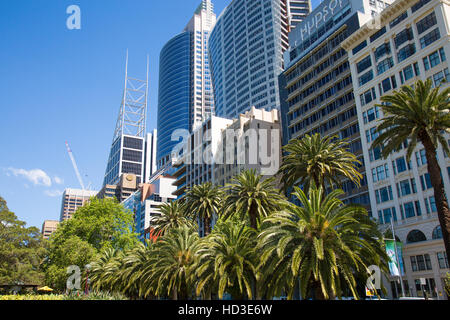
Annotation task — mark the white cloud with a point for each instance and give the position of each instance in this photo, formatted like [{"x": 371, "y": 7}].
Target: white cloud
[
  {"x": 36, "y": 176},
  {"x": 58, "y": 180},
  {"x": 53, "y": 193}
]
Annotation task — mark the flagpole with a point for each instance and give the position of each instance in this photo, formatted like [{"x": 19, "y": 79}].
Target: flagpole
[{"x": 397, "y": 257}]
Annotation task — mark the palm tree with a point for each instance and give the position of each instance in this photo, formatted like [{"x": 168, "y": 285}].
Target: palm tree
[
  {"x": 103, "y": 273},
  {"x": 171, "y": 216},
  {"x": 322, "y": 243},
  {"x": 226, "y": 261},
  {"x": 419, "y": 114},
  {"x": 202, "y": 201},
  {"x": 319, "y": 160},
  {"x": 248, "y": 194},
  {"x": 168, "y": 271}
]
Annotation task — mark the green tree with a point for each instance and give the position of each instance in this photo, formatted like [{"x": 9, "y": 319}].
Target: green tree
[
  {"x": 319, "y": 160},
  {"x": 203, "y": 201},
  {"x": 419, "y": 114},
  {"x": 168, "y": 272},
  {"x": 322, "y": 243},
  {"x": 249, "y": 195},
  {"x": 171, "y": 215},
  {"x": 98, "y": 225},
  {"x": 21, "y": 250},
  {"x": 226, "y": 261},
  {"x": 72, "y": 252}
]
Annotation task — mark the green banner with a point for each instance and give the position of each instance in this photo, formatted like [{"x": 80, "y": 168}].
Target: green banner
[{"x": 395, "y": 263}]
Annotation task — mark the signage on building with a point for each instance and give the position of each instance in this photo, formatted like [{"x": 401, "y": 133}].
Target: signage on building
[{"x": 319, "y": 17}]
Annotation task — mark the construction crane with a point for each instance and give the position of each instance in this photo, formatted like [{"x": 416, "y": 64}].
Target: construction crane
[{"x": 75, "y": 166}]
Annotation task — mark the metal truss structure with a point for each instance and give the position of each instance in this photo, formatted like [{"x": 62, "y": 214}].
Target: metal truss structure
[{"x": 133, "y": 109}]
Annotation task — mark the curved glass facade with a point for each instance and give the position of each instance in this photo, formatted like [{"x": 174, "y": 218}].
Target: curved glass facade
[{"x": 174, "y": 92}]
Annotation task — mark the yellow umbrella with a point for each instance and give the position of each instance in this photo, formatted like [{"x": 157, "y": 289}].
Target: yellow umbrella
[{"x": 45, "y": 289}]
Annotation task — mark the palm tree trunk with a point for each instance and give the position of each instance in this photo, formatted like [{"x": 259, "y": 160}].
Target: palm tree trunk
[
  {"x": 317, "y": 289},
  {"x": 253, "y": 213},
  {"x": 207, "y": 225},
  {"x": 439, "y": 192}
]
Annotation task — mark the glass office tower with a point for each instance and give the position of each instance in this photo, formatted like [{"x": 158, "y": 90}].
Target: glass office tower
[
  {"x": 185, "y": 91},
  {"x": 246, "y": 50}
]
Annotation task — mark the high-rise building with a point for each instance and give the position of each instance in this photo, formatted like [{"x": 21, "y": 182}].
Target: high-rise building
[
  {"x": 316, "y": 86},
  {"x": 127, "y": 149},
  {"x": 246, "y": 50},
  {"x": 297, "y": 10},
  {"x": 407, "y": 42},
  {"x": 221, "y": 148},
  {"x": 72, "y": 199},
  {"x": 48, "y": 227},
  {"x": 185, "y": 94}
]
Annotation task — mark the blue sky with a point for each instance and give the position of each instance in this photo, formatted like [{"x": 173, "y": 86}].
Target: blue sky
[{"x": 60, "y": 85}]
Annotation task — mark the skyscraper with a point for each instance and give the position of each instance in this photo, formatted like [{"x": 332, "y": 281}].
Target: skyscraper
[
  {"x": 185, "y": 94},
  {"x": 316, "y": 86},
  {"x": 72, "y": 199},
  {"x": 409, "y": 43},
  {"x": 127, "y": 149},
  {"x": 150, "y": 155},
  {"x": 246, "y": 50}
]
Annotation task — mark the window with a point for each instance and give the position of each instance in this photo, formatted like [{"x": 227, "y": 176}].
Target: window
[
  {"x": 425, "y": 181},
  {"x": 385, "y": 215},
  {"x": 364, "y": 64},
  {"x": 387, "y": 84},
  {"x": 441, "y": 76},
  {"x": 429, "y": 38},
  {"x": 382, "y": 50},
  {"x": 434, "y": 59},
  {"x": 399, "y": 19},
  {"x": 442, "y": 260},
  {"x": 437, "y": 233},
  {"x": 378, "y": 34},
  {"x": 365, "y": 78},
  {"x": 375, "y": 153},
  {"x": 421, "y": 262},
  {"x": 371, "y": 114},
  {"x": 368, "y": 96},
  {"x": 380, "y": 173},
  {"x": 415, "y": 236},
  {"x": 371, "y": 134},
  {"x": 406, "y": 52},
  {"x": 384, "y": 194},
  {"x": 403, "y": 36},
  {"x": 426, "y": 23},
  {"x": 385, "y": 65},
  {"x": 408, "y": 210},
  {"x": 404, "y": 188},
  {"x": 399, "y": 165},
  {"x": 421, "y": 158}
]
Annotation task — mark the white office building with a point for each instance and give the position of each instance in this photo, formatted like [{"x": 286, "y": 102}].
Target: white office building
[{"x": 408, "y": 41}]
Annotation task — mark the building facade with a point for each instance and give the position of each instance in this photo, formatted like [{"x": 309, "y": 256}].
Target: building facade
[
  {"x": 316, "y": 87},
  {"x": 127, "y": 149},
  {"x": 145, "y": 203},
  {"x": 221, "y": 148},
  {"x": 408, "y": 41},
  {"x": 72, "y": 199},
  {"x": 127, "y": 185},
  {"x": 246, "y": 51},
  {"x": 185, "y": 95},
  {"x": 48, "y": 227}
]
